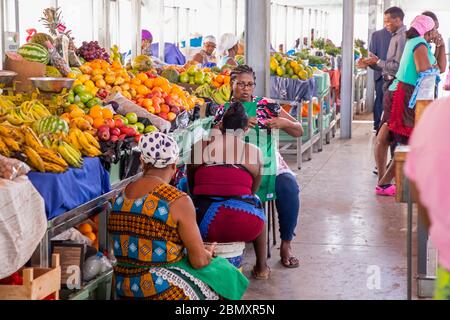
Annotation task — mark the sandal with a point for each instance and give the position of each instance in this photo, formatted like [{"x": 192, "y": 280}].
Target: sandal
[
  {"x": 259, "y": 276},
  {"x": 290, "y": 263}
]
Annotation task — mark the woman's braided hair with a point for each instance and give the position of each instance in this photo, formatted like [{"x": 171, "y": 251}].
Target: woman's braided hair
[{"x": 242, "y": 69}]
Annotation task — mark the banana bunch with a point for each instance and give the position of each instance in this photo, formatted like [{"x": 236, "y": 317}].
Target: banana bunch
[
  {"x": 204, "y": 91},
  {"x": 70, "y": 154},
  {"x": 84, "y": 142},
  {"x": 222, "y": 95},
  {"x": 5, "y": 105},
  {"x": 27, "y": 113}
]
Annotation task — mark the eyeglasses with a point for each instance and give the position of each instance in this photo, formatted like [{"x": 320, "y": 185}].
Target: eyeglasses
[{"x": 243, "y": 85}]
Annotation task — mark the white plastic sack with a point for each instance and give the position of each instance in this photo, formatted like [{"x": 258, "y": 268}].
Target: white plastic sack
[
  {"x": 127, "y": 106},
  {"x": 23, "y": 223},
  {"x": 427, "y": 89},
  {"x": 73, "y": 235}
]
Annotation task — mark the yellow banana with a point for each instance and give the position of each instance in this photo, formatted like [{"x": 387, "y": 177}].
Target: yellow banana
[
  {"x": 12, "y": 132},
  {"x": 84, "y": 143},
  {"x": 50, "y": 156},
  {"x": 67, "y": 153},
  {"x": 34, "y": 159},
  {"x": 4, "y": 150},
  {"x": 54, "y": 168},
  {"x": 94, "y": 142},
  {"x": 91, "y": 152},
  {"x": 12, "y": 144},
  {"x": 31, "y": 139},
  {"x": 74, "y": 140}
]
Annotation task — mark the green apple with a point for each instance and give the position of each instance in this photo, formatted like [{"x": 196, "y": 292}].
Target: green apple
[
  {"x": 140, "y": 127},
  {"x": 150, "y": 129},
  {"x": 132, "y": 118}
]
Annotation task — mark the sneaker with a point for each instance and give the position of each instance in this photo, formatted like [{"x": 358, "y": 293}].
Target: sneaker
[{"x": 386, "y": 191}]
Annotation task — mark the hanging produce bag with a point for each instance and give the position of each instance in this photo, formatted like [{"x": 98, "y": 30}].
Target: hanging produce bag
[{"x": 57, "y": 61}]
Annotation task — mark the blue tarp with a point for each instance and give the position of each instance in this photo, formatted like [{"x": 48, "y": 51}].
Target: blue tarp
[
  {"x": 292, "y": 89},
  {"x": 69, "y": 190}
]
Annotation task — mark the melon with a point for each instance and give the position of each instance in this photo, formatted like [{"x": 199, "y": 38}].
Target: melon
[
  {"x": 51, "y": 124},
  {"x": 35, "y": 53},
  {"x": 41, "y": 38},
  {"x": 172, "y": 75},
  {"x": 52, "y": 72},
  {"x": 142, "y": 63}
]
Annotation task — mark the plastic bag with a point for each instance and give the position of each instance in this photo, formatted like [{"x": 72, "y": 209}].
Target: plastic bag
[
  {"x": 12, "y": 168},
  {"x": 62, "y": 43},
  {"x": 74, "y": 60},
  {"x": 427, "y": 88},
  {"x": 73, "y": 235},
  {"x": 94, "y": 266}
]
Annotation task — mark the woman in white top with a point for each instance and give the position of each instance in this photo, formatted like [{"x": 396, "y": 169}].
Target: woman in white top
[{"x": 229, "y": 47}]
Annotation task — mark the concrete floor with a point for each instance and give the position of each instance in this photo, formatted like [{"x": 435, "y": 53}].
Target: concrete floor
[{"x": 346, "y": 235}]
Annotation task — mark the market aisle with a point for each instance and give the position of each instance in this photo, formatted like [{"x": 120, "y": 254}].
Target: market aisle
[{"x": 346, "y": 233}]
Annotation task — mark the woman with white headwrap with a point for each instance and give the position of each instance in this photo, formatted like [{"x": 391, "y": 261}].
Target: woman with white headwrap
[
  {"x": 156, "y": 240},
  {"x": 206, "y": 55},
  {"x": 229, "y": 47}
]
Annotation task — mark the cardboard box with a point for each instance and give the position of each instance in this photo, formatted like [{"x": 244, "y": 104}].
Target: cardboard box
[{"x": 25, "y": 70}]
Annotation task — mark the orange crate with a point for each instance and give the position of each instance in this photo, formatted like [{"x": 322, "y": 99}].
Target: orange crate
[{"x": 38, "y": 283}]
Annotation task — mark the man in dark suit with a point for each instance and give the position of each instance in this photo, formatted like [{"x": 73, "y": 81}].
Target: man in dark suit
[{"x": 379, "y": 46}]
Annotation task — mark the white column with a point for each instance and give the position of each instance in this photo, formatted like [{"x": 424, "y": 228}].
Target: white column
[
  {"x": 257, "y": 38},
  {"x": 286, "y": 27},
  {"x": 370, "y": 100},
  {"x": 387, "y": 4},
  {"x": 309, "y": 27},
  {"x": 300, "y": 24},
  {"x": 188, "y": 32},
  {"x": 136, "y": 9},
  {"x": 162, "y": 42},
  {"x": 234, "y": 14},
  {"x": 104, "y": 34},
  {"x": 347, "y": 69}
]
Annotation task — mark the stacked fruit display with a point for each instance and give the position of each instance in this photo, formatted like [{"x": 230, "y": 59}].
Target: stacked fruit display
[{"x": 289, "y": 67}]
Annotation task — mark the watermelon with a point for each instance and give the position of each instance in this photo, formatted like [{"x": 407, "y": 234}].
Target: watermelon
[
  {"x": 172, "y": 75},
  {"x": 34, "y": 52},
  {"x": 51, "y": 124}
]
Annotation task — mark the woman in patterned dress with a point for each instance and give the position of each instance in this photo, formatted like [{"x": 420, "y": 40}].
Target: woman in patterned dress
[{"x": 156, "y": 240}]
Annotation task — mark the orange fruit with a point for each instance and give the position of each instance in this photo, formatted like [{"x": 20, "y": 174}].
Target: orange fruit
[
  {"x": 227, "y": 80},
  {"x": 91, "y": 236},
  {"x": 146, "y": 103},
  {"x": 77, "y": 113},
  {"x": 125, "y": 87},
  {"x": 149, "y": 83},
  {"x": 66, "y": 116},
  {"x": 107, "y": 114},
  {"x": 171, "y": 116},
  {"x": 85, "y": 228},
  {"x": 96, "y": 112},
  {"x": 165, "y": 108},
  {"x": 143, "y": 90},
  {"x": 142, "y": 76},
  {"x": 98, "y": 122},
  {"x": 219, "y": 79},
  {"x": 136, "y": 81},
  {"x": 101, "y": 84},
  {"x": 151, "y": 110}
]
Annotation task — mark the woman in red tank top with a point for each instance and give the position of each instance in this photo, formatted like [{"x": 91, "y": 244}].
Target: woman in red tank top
[{"x": 223, "y": 183}]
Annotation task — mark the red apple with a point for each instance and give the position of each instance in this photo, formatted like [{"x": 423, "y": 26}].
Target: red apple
[
  {"x": 110, "y": 123},
  {"x": 163, "y": 115},
  {"x": 122, "y": 137},
  {"x": 131, "y": 132},
  {"x": 175, "y": 110},
  {"x": 119, "y": 122},
  {"x": 115, "y": 132},
  {"x": 114, "y": 139},
  {"x": 104, "y": 135},
  {"x": 123, "y": 130},
  {"x": 137, "y": 138}
]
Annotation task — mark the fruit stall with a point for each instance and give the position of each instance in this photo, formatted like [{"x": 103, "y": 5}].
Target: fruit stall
[{"x": 70, "y": 120}]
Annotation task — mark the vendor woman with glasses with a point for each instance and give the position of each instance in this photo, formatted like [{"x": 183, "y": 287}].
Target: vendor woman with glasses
[{"x": 278, "y": 181}]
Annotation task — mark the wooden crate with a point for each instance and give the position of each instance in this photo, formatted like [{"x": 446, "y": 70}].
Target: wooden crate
[{"x": 38, "y": 283}]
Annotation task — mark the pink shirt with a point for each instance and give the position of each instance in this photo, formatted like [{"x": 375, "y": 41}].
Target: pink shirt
[{"x": 428, "y": 165}]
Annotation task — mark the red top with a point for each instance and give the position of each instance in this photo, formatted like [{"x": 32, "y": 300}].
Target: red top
[{"x": 223, "y": 181}]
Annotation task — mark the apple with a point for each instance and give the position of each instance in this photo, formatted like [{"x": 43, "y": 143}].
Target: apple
[
  {"x": 140, "y": 127},
  {"x": 131, "y": 132},
  {"x": 122, "y": 137},
  {"x": 137, "y": 138},
  {"x": 175, "y": 110},
  {"x": 124, "y": 130},
  {"x": 163, "y": 115},
  {"x": 119, "y": 122},
  {"x": 132, "y": 118},
  {"x": 104, "y": 135},
  {"x": 114, "y": 139},
  {"x": 110, "y": 123},
  {"x": 104, "y": 128},
  {"x": 150, "y": 129},
  {"x": 115, "y": 132}
]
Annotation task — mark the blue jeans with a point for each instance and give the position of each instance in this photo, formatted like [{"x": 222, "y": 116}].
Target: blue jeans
[
  {"x": 288, "y": 205},
  {"x": 378, "y": 108}
]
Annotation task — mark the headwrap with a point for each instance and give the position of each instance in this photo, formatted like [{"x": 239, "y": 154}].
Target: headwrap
[
  {"x": 210, "y": 39},
  {"x": 423, "y": 24},
  {"x": 228, "y": 41},
  {"x": 147, "y": 35},
  {"x": 158, "y": 150}
]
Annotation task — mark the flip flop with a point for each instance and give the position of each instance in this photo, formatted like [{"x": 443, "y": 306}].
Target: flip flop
[
  {"x": 293, "y": 263},
  {"x": 257, "y": 276}
]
